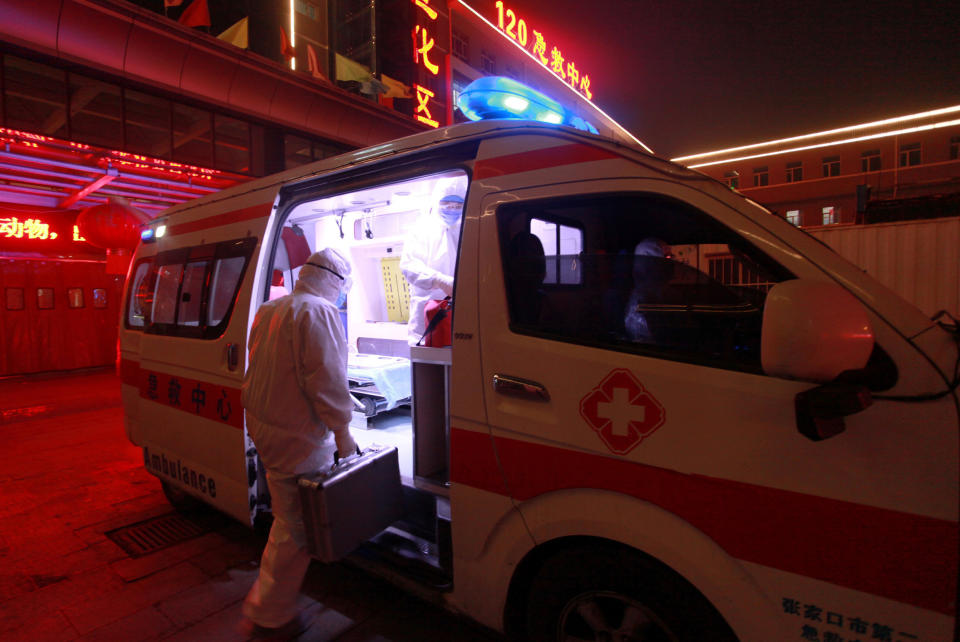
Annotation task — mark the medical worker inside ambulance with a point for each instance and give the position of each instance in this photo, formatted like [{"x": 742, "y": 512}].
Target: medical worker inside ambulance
[{"x": 430, "y": 256}]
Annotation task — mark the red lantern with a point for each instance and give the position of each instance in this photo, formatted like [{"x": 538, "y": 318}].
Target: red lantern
[{"x": 114, "y": 226}]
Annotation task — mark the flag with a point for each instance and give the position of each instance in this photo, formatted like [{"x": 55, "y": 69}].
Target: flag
[
  {"x": 312, "y": 64},
  {"x": 237, "y": 34},
  {"x": 196, "y": 15},
  {"x": 351, "y": 70},
  {"x": 171, "y": 3},
  {"x": 286, "y": 49}
]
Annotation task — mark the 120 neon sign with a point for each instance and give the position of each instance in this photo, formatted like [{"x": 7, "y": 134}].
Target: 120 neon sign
[{"x": 516, "y": 29}]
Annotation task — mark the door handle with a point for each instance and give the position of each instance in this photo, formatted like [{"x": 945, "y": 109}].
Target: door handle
[
  {"x": 232, "y": 356},
  {"x": 517, "y": 387}
]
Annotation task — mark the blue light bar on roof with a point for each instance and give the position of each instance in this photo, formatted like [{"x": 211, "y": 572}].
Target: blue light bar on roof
[{"x": 493, "y": 97}]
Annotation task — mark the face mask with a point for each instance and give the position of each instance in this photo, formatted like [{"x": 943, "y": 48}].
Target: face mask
[{"x": 451, "y": 214}]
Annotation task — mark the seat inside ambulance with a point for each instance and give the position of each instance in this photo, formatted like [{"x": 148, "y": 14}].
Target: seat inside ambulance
[{"x": 369, "y": 227}]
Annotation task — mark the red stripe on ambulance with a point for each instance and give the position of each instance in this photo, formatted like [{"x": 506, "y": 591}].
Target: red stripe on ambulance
[
  {"x": 245, "y": 214},
  {"x": 539, "y": 159},
  {"x": 904, "y": 557},
  {"x": 200, "y": 398}
]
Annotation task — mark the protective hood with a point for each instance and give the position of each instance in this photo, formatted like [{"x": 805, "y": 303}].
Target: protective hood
[{"x": 324, "y": 274}]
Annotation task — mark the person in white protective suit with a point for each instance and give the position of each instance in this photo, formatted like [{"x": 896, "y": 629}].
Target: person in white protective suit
[
  {"x": 430, "y": 257},
  {"x": 298, "y": 408}
]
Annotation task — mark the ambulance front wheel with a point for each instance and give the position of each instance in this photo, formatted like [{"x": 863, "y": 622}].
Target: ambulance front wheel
[
  {"x": 614, "y": 593},
  {"x": 183, "y": 501}
]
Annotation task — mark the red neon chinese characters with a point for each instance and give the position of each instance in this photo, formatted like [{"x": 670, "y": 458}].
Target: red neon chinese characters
[
  {"x": 32, "y": 228},
  {"x": 550, "y": 57},
  {"x": 421, "y": 52},
  {"x": 423, "y": 106}
]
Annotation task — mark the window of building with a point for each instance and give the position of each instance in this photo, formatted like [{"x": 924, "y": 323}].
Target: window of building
[
  {"x": 232, "y": 148},
  {"x": 35, "y": 97},
  {"x": 146, "y": 124},
  {"x": 44, "y": 298},
  {"x": 74, "y": 297},
  {"x": 870, "y": 161},
  {"x": 14, "y": 297},
  {"x": 829, "y": 215},
  {"x": 909, "y": 154},
  {"x": 954, "y": 147},
  {"x": 488, "y": 62},
  {"x": 793, "y": 217},
  {"x": 192, "y": 135},
  {"x": 99, "y": 298},
  {"x": 794, "y": 172},
  {"x": 732, "y": 179},
  {"x": 761, "y": 176},
  {"x": 831, "y": 166},
  {"x": 562, "y": 245},
  {"x": 297, "y": 150},
  {"x": 96, "y": 112},
  {"x": 460, "y": 45},
  {"x": 657, "y": 277}
]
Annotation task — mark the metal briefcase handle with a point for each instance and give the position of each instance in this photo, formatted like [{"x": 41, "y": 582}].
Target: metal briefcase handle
[
  {"x": 517, "y": 387},
  {"x": 336, "y": 457}
]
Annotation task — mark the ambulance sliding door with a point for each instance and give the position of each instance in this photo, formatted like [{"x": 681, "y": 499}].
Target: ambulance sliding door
[
  {"x": 192, "y": 357},
  {"x": 621, "y": 353}
]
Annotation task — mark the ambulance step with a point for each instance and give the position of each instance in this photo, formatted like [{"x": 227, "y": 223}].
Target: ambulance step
[{"x": 395, "y": 553}]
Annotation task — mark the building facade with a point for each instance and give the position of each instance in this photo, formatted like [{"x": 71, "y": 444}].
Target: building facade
[
  {"x": 902, "y": 167},
  {"x": 144, "y": 104}
]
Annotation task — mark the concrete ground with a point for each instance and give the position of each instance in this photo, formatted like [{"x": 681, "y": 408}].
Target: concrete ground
[{"x": 68, "y": 475}]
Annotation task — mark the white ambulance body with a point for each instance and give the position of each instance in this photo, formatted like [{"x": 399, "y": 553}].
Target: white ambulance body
[{"x": 708, "y": 476}]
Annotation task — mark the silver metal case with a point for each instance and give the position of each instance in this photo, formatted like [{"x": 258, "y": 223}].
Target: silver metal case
[{"x": 355, "y": 500}]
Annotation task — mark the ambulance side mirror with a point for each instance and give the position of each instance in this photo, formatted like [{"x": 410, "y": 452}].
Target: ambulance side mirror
[{"x": 815, "y": 331}]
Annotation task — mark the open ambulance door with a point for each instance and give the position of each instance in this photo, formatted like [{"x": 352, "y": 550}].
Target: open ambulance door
[{"x": 194, "y": 303}]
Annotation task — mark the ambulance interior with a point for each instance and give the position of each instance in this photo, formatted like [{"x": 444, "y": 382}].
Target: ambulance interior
[{"x": 368, "y": 227}]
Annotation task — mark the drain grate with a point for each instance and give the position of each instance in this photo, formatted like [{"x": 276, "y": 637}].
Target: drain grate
[{"x": 160, "y": 532}]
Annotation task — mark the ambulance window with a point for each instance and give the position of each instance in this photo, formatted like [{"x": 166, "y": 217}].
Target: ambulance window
[
  {"x": 191, "y": 293},
  {"x": 640, "y": 273},
  {"x": 141, "y": 294},
  {"x": 562, "y": 245},
  {"x": 226, "y": 275},
  {"x": 165, "y": 295}
]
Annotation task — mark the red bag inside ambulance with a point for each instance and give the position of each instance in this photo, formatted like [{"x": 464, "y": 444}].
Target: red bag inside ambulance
[{"x": 438, "y": 315}]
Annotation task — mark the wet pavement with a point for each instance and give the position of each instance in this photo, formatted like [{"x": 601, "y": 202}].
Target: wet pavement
[{"x": 69, "y": 477}]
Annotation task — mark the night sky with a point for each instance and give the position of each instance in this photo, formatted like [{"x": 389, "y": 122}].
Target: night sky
[{"x": 687, "y": 76}]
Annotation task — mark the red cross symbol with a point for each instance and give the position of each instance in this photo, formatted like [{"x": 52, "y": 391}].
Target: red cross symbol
[{"x": 621, "y": 411}]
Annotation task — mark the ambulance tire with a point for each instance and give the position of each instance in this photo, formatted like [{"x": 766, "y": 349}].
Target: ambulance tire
[
  {"x": 610, "y": 583},
  {"x": 183, "y": 501}
]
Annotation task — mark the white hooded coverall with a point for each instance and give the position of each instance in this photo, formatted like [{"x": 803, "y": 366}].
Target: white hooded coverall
[
  {"x": 296, "y": 398},
  {"x": 428, "y": 262}
]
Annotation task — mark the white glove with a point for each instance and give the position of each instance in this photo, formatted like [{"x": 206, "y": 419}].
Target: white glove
[
  {"x": 445, "y": 283},
  {"x": 346, "y": 446}
]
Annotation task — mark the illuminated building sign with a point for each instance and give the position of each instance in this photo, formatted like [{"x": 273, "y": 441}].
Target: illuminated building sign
[
  {"x": 546, "y": 53},
  {"x": 426, "y": 58},
  {"x": 50, "y": 233}
]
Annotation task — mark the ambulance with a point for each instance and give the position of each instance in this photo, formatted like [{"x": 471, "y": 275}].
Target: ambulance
[{"x": 664, "y": 414}]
